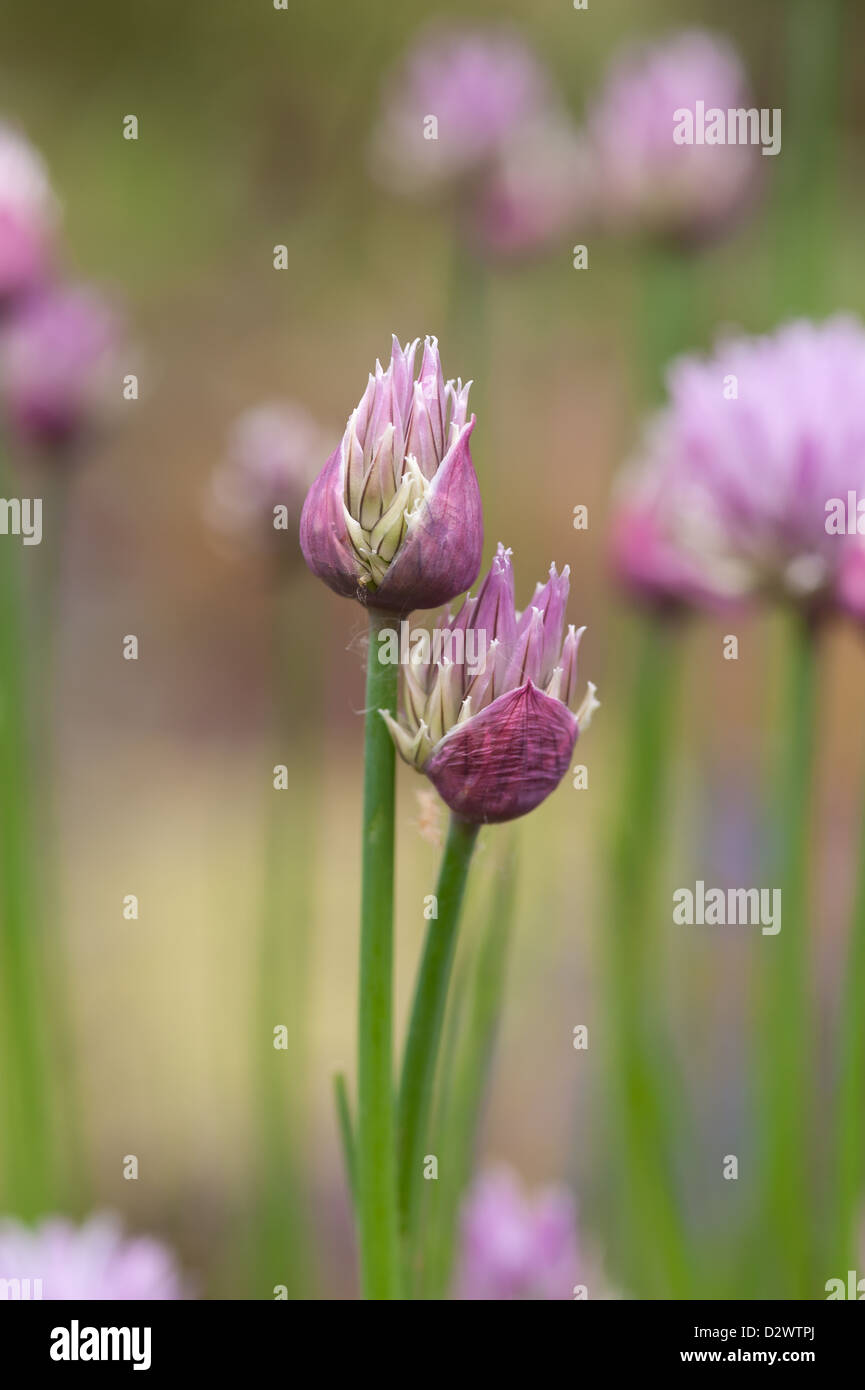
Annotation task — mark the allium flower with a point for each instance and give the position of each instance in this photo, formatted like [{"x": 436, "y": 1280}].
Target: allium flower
[
  {"x": 536, "y": 189},
  {"x": 58, "y": 365},
  {"x": 478, "y": 84},
  {"x": 28, "y": 216},
  {"x": 256, "y": 496},
  {"x": 92, "y": 1261},
  {"x": 487, "y": 718},
  {"x": 516, "y": 1247},
  {"x": 394, "y": 518},
  {"x": 646, "y": 183},
  {"x": 741, "y": 466}
]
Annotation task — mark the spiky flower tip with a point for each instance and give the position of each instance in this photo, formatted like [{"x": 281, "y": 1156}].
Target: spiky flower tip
[
  {"x": 29, "y": 216},
  {"x": 394, "y": 518},
  {"x": 487, "y": 716}
]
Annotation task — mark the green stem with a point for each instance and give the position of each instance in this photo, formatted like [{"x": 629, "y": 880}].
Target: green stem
[
  {"x": 376, "y": 1170},
  {"x": 648, "y": 1210},
  {"x": 850, "y": 1149},
  {"x": 461, "y": 1101},
  {"x": 22, "y": 1004},
  {"x": 346, "y": 1133},
  {"x": 788, "y": 1037},
  {"x": 425, "y": 1028}
]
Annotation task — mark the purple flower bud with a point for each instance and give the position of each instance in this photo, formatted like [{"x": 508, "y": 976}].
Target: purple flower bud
[
  {"x": 739, "y": 473},
  {"x": 256, "y": 496},
  {"x": 394, "y": 518},
  {"x": 515, "y": 1247},
  {"x": 486, "y": 718},
  {"x": 28, "y": 216},
  {"x": 91, "y": 1261},
  {"x": 58, "y": 367},
  {"x": 647, "y": 183}
]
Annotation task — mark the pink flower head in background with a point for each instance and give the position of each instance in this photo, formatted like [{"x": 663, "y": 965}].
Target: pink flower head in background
[
  {"x": 394, "y": 518},
  {"x": 536, "y": 189},
  {"x": 92, "y": 1261},
  {"x": 645, "y": 183},
  {"x": 58, "y": 366},
  {"x": 29, "y": 215},
  {"x": 487, "y": 718},
  {"x": 742, "y": 466},
  {"x": 256, "y": 495},
  {"x": 476, "y": 84},
  {"x": 515, "y": 1246}
]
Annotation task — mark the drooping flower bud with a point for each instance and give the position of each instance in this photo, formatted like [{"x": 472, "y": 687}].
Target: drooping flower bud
[
  {"x": 29, "y": 215},
  {"x": 394, "y": 518},
  {"x": 58, "y": 367},
  {"x": 487, "y": 717}
]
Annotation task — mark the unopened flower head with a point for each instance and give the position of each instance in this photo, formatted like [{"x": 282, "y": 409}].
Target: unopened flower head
[
  {"x": 394, "y": 518},
  {"x": 256, "y": 495},
  {"x": 29, "y": 215},
  {"x": 455, "y": 98},
  {"x": 496, "y": 741},
  {"x": 741, "y": 465},
  {"x": 515, "y": 1246},
  {"x": 92, "y": 1261},
  {"x": 58, "y": 366},
  {"x": 645, "y": 182}
]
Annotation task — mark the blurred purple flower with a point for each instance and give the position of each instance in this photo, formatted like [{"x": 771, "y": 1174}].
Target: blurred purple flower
[
  {"x": 535, "y": 190},
  {"x": 645, "y": 183},
  {"x": 741, "y": 465},
  {"x": 29, "y": 215},
  {"x": 394, "y": 518},
  {"x": 487, "y": 716},
  {"x": 256, "y": 495},
  {"x": 92, "y": 1261},
  {"x": 478, "y": 84},
  {"x": 516, "y": 1247},
  {"x": 58, "y": 365}
]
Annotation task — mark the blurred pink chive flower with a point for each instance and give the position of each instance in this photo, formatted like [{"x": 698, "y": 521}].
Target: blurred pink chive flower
[
  {"x": 92, "y": 1261},
  {"x": 394, "y": 518},
  {"x": 496, "y": 741},
  {"x": 58, "y": 366},
  {"x": 739, "y": 468},
  {"x": 256, "y": 496},
  {"x": 29, "y": 215},
  {"x": 644, "y": 183},
  {"x": 515, "y": 1247},
  {"x": 478, "y": 85}
]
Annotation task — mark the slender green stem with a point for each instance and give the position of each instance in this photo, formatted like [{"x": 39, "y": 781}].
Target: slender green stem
[
  {"x": 425, "y": 1028},
  {"x": 850, "y": 1103},
  {"x": 346, "y": 1133},
  {"x": 788, "y": 1035},
  {"x": 22, "y": 1005},
  {"x": 461, "y": 1102},
  {"x": 647, "y": 1205},
  {"x": 376, "y": 1155}
]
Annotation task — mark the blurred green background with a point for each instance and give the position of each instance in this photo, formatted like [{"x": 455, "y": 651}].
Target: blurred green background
[{"x": 254, "y": 128}]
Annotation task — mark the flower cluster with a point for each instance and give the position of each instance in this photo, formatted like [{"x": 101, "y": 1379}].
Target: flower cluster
[
  {"x": 730, "y": 497},
  {"x": 515, "y": 1247},
  {"x": 57, "y": 341},
  {"x": 92, "y": 1261}
]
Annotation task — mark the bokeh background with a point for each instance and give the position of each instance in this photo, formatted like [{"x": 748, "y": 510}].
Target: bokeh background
[{"x": 254, "y": 130}]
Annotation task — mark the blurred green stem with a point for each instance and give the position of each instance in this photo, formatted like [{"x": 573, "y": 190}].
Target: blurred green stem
[
  {"x": 850, "y": 1102},
  {"x": 425, "y": 1028},
  {"x": 26, "y": 1128},
  {"x": 648, "y": 1208},
  {"x": 376, "y": 1155},
  {"x": 461, "y": 1102},
  {"x": 346, "y": 1133},
  {"x": 788, "y": 1037}
]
